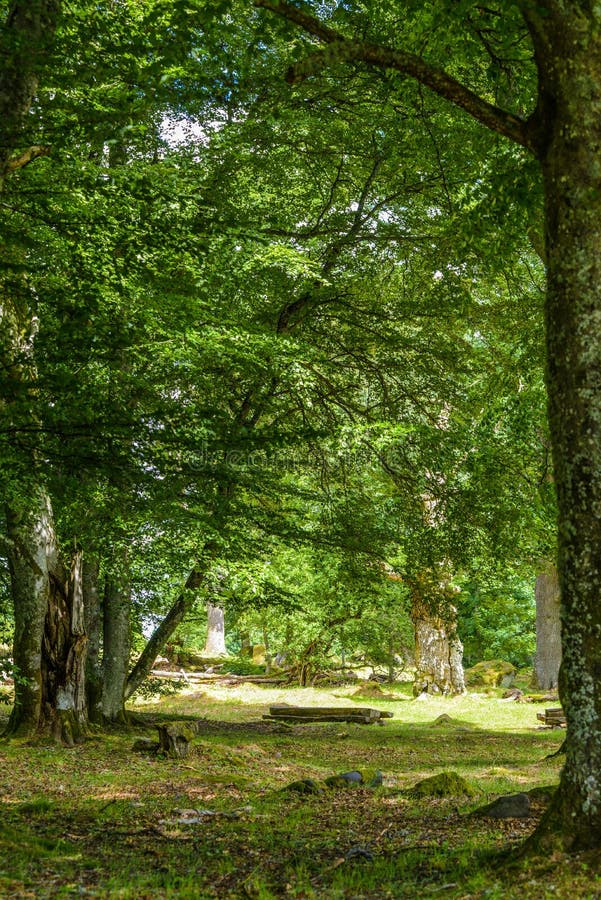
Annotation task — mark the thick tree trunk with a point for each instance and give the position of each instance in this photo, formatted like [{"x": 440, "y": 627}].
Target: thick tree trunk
[
  {"x": 548, "y": 630},
  {"x": 438, "y": 656},
  {"x": 438, "y": 650},
  {"x": 92, "y": 605},
  {"x": 568, "y": 45},
  {"x": 64, "y": 707},
  {"x": 215, "y": 642},
  {"x": 31, "y": 543},
  {"x": 116, "y": 634}
]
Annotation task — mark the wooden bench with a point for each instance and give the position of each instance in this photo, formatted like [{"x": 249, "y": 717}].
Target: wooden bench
[{"x": 554, "y": 718}]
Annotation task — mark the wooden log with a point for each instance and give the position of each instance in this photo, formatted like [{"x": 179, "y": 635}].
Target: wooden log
[
  {"x": 303, "y": 720},
  {"x": 329, "y": 713}
]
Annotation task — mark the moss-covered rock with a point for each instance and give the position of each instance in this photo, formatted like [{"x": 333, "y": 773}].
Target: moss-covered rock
[
  {"x": 370, "y": 778},
  {"x": 491, "y": 673},
  {"x": 445, "y": 784}
]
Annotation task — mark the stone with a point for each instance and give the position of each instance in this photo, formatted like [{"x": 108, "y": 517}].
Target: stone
[
  {"x": 445, "y": 784},
  {"x": 304, "y": 786},
  {"x": 491, "y": 673},
  {"x": 512, "y": 806}
]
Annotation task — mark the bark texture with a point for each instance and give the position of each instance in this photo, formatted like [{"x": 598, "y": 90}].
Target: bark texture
[
  {"x": 567, "y": 38},
  {"x": 116, "y": 634},
  {"x": 92, "y": 605},
  {"x": 215, "y": 643},
  {"x": 548, "y": 630},
  {"x": 438, "y": 657}
]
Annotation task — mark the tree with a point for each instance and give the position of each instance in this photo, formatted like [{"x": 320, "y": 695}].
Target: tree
[{"x": 563, "y": 132}]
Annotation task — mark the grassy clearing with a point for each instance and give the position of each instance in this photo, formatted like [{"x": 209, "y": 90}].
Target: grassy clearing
[{"x": 101, "y": 821}]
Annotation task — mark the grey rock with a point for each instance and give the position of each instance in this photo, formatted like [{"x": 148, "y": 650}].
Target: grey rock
[{"x": 512, "y": 806}]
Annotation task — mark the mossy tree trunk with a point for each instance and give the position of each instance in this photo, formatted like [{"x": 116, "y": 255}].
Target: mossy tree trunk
[
  {"x": 438, "y": 650},
  {"x": 567, "y": 39}
]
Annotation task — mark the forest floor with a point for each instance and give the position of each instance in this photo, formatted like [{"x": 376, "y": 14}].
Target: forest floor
[{"x": 103, "y": 821}]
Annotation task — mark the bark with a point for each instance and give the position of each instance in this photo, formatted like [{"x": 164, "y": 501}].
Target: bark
[
  {"x": 116, "y": 634},
  {"x": 163, "y": 632},
  {"x": 215, "y": 643},
  {"x": 31, "y": 545},
  {"x": 438, "y": 656},
  {"x": 92, "y": 605},
  {"x": 568, "y": 48},
  {"x": 548, "y": 630},
  {"x": 64, "y": 646}
]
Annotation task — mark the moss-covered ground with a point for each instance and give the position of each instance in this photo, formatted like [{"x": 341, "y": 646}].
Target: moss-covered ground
[{"x": 102, "y": 821}]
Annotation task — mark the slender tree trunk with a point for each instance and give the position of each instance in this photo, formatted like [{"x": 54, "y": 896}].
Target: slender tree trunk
[
  {"x": 92, "y": 605},
  {"x": 568, "y": 46},
  {"x": 215, "y": 642},
  {"x": 548, "y": 630},
  {"x": 116, "y": 641},
  {"x": 156, "y": 642}
]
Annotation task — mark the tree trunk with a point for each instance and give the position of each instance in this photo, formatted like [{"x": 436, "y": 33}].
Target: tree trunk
[
  {"x": 92, "y": 606},
  {"x": 438, "y": 657},
  {"x": 163, "y": 632},
  {"x": 548, "y": 631},
  {"x": 31, "y": 543},
  {"x": 568, "y": 48},
  {"x": 64, "y": 707},
  {"x": 438, "y": 650},
  {"x": 116, "y": 634},
  {"x": 215, "y": 642}
]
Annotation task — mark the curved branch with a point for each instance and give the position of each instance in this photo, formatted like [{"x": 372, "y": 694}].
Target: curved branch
[{"x": 343, "y": 49}]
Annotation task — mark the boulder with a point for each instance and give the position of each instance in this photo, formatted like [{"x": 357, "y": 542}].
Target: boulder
[{"x": 491, "y": 673}]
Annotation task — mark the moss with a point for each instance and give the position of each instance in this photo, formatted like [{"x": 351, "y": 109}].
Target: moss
[
  {"x": 445, "y": 784},
  {"x": 491, "y": 673}
]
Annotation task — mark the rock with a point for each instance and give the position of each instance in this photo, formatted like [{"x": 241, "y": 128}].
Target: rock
[
  {"x": 491, "y": 673},
  {"x": 444, "y": 720},
  {"x": 513, "y": 694},
  {"x": 512, "y": 806},
  {"x": 359, "y": 852},
  {"x": 446, "y": 784},
  {"x": 370, "y": 778},
  {"x": 304, "y": 786}
]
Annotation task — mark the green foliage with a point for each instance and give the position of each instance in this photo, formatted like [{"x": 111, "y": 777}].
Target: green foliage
[{"x": 497, "y": 621}]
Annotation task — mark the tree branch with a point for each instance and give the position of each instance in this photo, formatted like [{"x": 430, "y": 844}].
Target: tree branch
[
  {"x": 343, "y": 49},
  {"x": 23, "y": 159}
]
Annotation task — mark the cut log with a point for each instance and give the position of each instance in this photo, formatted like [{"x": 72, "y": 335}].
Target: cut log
[{"x": 301, "y": 714}]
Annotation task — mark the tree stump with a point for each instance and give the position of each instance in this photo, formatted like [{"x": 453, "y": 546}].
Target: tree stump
[{"x": 174, "y": 739}]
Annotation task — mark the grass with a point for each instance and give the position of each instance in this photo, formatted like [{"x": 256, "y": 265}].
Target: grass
[{"x": 102, "y": 821}]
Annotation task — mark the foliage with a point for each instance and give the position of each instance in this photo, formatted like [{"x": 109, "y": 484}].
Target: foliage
[{"x": 497, "y": 621}]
